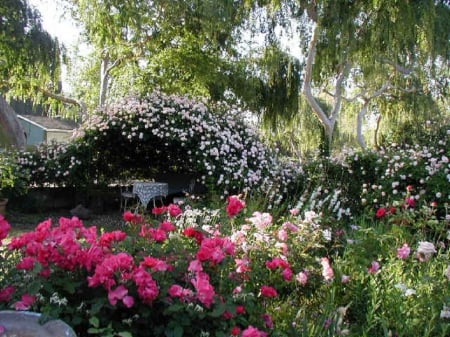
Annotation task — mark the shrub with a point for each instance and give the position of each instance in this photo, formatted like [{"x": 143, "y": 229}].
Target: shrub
[{"x": 139, "y": 137}]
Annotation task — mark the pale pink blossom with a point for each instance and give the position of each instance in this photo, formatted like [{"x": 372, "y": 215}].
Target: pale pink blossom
[
  {"x": 403, "y": 252},
  {"x": 345, "y": 279},
  {"x": 260, "y": 220},
  {"x": 327, "y": 270},
  {"x": 282, "y": 235},
  {"x": 302, "y": 277},
  {"x": 294, "y": 211},
  {"x": 374, "y": 267},
  {"x": 425, "y": 251}
]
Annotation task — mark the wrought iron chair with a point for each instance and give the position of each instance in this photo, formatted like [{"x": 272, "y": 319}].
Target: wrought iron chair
[{"x": 126, "y": 196}]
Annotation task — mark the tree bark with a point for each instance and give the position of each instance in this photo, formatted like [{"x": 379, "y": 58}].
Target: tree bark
[
  {"x": 11, "y": 126},
  {"x": 328, "y": 122}
]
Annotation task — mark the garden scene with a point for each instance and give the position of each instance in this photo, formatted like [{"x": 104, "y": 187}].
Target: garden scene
[{"x": 308, "y": 188}]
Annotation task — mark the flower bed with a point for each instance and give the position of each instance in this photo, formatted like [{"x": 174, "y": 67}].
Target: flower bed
[{"x": 191, "y": 272}]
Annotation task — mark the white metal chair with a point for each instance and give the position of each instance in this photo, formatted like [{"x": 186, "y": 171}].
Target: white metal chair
[{"x": 126, "y": 195}]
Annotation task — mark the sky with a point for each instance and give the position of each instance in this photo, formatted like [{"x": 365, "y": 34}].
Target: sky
[{"x": 54, "y": 23}]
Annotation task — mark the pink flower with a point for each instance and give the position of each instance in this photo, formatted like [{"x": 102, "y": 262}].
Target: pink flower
[
  {"x": 282, "y": 235},
  {"x": 277, "y": 263},
  {"x": 167, "y": 226},
  {"x": 253, "y": 332},
  {"x": 260, "y": 220},
  {"x": 148, "y": 289},
  {"x": 240, "y": 310},
  {"x": 345, "y": 279},
  {"x": 205, "y": 290},
  {"x": 294, "y": 211},
  {"x": 403, "y": 252},
  {"x": 215, "y": 249},
  {"x": 374, "y": 267},
  {"x": 174, "y": 210},
  {"x": 7, "y": 293},
  {"x": 410, "y": 202},
  {"x": 193, "y": 233},
  {"x": 2, "y": 329},
  {"x": 381, "y": 212},
  {"x": 235, "y": 205},
  {"x": 268, "y": 291},
  {"x": 27, "y": 263},
  {"x": 25, "y": 303},
  {"x": 195, "y": 266},
  {"x": 290, "y": 226},
  {"x": 327, "y": 270},
  {"x": 267, "y": 321},
  {"x": 159, "y": 210},
  {"x": 155, "y": 264},
  {"x": 175, "y": 290},
  {"x": 235, "y": 331},
  {"x": 287, "y": 274},
  {"x": 243, "y": 265},
  {"x": 180, "y": 292},
  {"x": 133, "y": 218},
  {"x": 302, "y": 278},
  {"x": 120, "y": 293},
  {"x": 109, "y": 237},
  {"x": 4, "y": 228}
]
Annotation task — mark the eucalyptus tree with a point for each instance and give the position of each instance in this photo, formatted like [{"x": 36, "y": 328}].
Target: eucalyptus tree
[
  {"x": 368, "y": 53},
  {"x": 178, "y": 46},
  {"x": 30, "y": 62}
]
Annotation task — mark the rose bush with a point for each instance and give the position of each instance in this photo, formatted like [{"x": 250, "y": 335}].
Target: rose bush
[{"x": 163, "y": 278}]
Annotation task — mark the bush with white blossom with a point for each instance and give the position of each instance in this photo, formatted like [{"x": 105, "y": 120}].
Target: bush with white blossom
[{"x": 138, "y": 137}]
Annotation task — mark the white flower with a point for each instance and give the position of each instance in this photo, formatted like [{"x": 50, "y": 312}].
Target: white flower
[
  {"x": 447, "y": 272},
  {"x": 425, "y": 250},
  {"x": 445, "y": 312}
]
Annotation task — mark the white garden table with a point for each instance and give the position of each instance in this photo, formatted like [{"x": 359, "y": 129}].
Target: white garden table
[{"x": 147, "y": 191}]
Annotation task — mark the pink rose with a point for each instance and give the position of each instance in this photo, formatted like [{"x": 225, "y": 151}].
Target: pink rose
[
  {"x": 403, "y": 252},
  {"x": 374, "y": 267},
  {"x": 235, "y": 205},
  {"x": 268, "y": 291},
  {"x": 327, "y": 270}
]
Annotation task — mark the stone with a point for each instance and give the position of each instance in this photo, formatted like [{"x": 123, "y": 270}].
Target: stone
[
  {"x": 81, "y": 212},
  {"x": 27, "y": 324}
]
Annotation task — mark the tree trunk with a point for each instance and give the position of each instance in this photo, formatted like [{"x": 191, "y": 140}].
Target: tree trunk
[
  {"x": 11, "y": 126},
  {"x": 104, "y": 78},
  {"x": 359, "y": 122},
  {"x": 328, "y": 122},
  {"x": 375, "y": 136}
]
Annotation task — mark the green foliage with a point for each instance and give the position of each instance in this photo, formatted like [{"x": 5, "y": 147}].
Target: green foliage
[
  {"x": 184, "y": 47},
  {"x": 30, "y": 59},
  {"x": 14, "y": 180}
]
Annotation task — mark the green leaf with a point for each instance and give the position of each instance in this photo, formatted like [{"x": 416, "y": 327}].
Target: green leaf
[
  {"x": 94, "y": 321},
  {"x": 125, "y": 334},
  {"x": 218, "y": 311},
  {"x": 178, "y": 331},
  {"x": 173, "y": 309}
]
